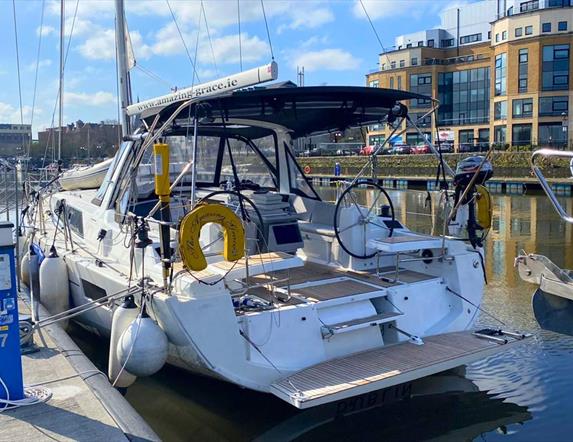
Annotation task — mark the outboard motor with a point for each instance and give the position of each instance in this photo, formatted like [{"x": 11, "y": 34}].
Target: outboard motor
[{"x": 465, "y": 171}]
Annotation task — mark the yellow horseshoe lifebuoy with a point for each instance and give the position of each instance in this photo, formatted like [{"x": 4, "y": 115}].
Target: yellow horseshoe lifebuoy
[
  {"x": 190, "y": 229},
  {"x": 307, "y": 169}
]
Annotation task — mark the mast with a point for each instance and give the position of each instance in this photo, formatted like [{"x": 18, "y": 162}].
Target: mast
[
  {"x": 61, "y": 91},
  {"x": 122, "y": 66}
]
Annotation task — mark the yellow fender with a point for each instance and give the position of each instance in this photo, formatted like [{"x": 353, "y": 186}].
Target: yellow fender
[
  {"x": 484, "y": 207},
  {"x": 189, "y": 246}
]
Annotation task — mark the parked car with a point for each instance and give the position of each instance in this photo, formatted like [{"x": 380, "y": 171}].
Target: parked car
[
  {"x": 367, "y": 150},
  {"x": 401, "y": 149},
  {"x": 421, "y": 148},
  {"x": 446, "y": 147}
]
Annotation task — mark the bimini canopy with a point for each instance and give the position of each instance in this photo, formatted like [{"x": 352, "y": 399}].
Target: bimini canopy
[{"x": 302, "y": 110}]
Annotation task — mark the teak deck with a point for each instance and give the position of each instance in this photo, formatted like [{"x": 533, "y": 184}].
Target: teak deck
[{"x": 381, "y": 368}]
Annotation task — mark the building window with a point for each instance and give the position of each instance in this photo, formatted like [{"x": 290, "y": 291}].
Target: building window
[
  {"x": 546, "y": 27},
  {"x": 504, "y": 35},
  {"x": 470, "y": 38},
  {"x": 402, "y": 63},
  {"x": 555, "y": 68},
  {"x": 521, "y": 134},
  {"x": 409, "y": 45},
  {"x": 414, "y": 61},
  {"x": 464, "y": 97},
  {"x": 447, "y": 43},
  {"x": 400, "y": 83},
  {"x": 529, "y": 6},
  {"x": 562, "y": 26},
  {"x": 523, "y": 108},
  {"x": 528, "y": 30},
  {"x": 518, "y": 32},
  {"x": 552, "y": 134},
  {"x": 374, "y": 83},
  {"x": 421, "y": 84},
  {"x": 430, "y": 43},
  {"x": 489, "y": 35},
  {"x": 499, "y": 134},
  {"x": 553, "y": 106},
  {"x": 497, "y": 38},
  {"x": 466, "y": 136},
  {"x": 391, "y": 82},
  {"x": 500, "y": 110},
  {"x": 522, "y": 74},
  {"x": 557, "y": 3},
  {"x": 383, "y": 66},
  {"x": 483, "y": 138},
  {"x": 420, "y": 44},
  {"x": 421, "y": 120},
  {"x": 392, "y": 65},
  {"x": 500, "y": 74}
]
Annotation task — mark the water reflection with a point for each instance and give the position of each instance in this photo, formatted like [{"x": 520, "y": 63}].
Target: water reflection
[{"x": 524, "y": 393}]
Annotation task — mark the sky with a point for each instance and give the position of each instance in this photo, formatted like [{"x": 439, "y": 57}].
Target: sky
[{"x": 333, "y": 40}]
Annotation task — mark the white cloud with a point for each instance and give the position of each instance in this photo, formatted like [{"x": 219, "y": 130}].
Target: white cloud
[
  {"x": 315, "y": 40},
  {"x": 99, "y": 98},
  {"x": 41, "y": 64},
  {"x": 308, "y": 18},
  {"x": 11, "y": 114},
  {"x": 378, "y": 9},
  {"x": 226, "y": 49},
  {"x": 45, "y": 30},
  {"x": 101, "y": 45},
  {"x": 327, "y": 59}
]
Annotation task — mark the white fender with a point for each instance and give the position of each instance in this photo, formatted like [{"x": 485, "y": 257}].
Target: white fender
[
  {"x": 54, "y": 284},
  {"x": 143, "y": 347},
  {"x": 123, "y": 315},
  {"x": 34, "y": 271},
  {"x": 25, "y": 268}
]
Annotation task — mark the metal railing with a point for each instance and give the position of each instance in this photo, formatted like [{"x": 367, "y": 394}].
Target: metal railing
[{"x": 548, "y": 153}]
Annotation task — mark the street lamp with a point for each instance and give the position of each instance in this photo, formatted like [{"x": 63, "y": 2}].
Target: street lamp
[{"x": 564, "y": 124}]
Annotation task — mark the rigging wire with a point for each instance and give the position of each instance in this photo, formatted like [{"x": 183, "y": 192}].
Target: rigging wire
[
  {"x": 374, "y": 29},
  {"x": 182, "y": 39},
  {"x": 56, "y": 102},
  {"x": 153, "y": 75},
  {"x": 240, "y": 42},
  {"x": 18, "y": 67},
  {"x": 209, "y": 37},
  {"x": 267, "y": 27},
  {"x": 197, "y": 45},
  {"x": 37, "y": 70}
]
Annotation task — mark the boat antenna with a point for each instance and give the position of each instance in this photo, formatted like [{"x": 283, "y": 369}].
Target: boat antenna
[
  {"x": 61, "y": 91},
  {"x": 123, "y": 66},
  {"x": 267, "y": 27}
]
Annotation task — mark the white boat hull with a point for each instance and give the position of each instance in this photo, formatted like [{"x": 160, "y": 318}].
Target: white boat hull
[{"x": 86, "y": 177}]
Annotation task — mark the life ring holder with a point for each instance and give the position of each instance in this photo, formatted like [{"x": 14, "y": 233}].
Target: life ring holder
[{"x": 307, "y": 169}]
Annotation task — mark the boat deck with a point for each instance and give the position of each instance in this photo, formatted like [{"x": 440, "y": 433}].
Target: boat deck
[{"x": 383, "y": 367}]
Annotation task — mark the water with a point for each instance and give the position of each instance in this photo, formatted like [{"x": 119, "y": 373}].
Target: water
[{"x": 523, "y": 394}]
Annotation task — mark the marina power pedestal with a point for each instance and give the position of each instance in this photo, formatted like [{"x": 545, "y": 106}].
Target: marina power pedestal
[{"x": 10, "y": 357}]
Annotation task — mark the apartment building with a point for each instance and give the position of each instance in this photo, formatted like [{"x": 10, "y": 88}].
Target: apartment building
[
  {"x": 501, "y": 71},
  {"x": 14, "y": 138}
]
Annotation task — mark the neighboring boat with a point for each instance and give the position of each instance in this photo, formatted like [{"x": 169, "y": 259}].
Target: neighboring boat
[
  {"x": 553, "y": 300},
  {"x": 84, "y": 177}
]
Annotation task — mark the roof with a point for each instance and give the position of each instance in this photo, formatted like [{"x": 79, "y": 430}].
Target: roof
[{"x": 302, "y": 110}]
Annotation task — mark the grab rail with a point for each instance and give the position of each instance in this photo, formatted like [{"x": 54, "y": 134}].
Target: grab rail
[{"x": 545, "y": 185}]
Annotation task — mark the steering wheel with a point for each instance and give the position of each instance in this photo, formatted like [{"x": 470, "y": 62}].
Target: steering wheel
[{"x": 367, "y": 215}]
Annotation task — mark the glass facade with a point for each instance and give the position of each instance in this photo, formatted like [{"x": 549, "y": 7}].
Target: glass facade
[
  {"x": 552, "y": 134},
  {"x": 466, "y": 136},
  {"x": 421, "y": 84},
  {"x": 501, "y": 74},
  {"x": 464, "y": 97},
  {"x": 555, "y": 68},
  {"x": 553, "y": 106},
  {"x": 521, "y": 134}
]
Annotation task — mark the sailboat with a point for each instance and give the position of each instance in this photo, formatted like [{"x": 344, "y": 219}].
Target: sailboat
[{"x": 206, "y": 226}]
